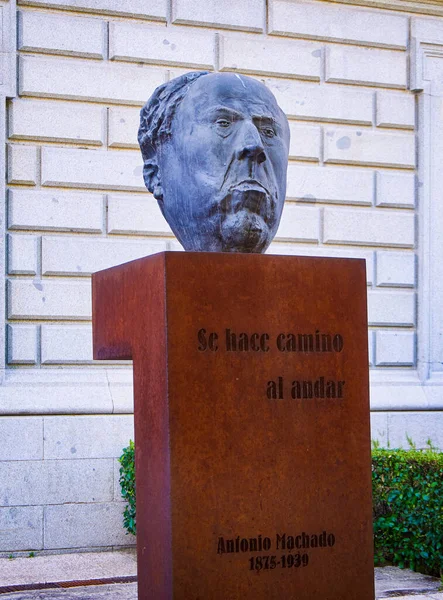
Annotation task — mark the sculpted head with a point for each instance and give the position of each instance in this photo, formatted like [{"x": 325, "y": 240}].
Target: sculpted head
[{"x": 215, "y": 149}]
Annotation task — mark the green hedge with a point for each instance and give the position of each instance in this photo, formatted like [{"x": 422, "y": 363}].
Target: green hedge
[
  {"x": 127, "y": 484},
  {"x": 408, "y": 506}
]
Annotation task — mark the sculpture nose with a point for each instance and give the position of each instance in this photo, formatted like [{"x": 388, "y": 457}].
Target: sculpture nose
[
  {"x": 252, "y": 152},
  {"x": 250, "y": 146}
]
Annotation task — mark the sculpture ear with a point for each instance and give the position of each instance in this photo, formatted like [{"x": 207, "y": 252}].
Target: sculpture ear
[{"x": 151, "y": 175}]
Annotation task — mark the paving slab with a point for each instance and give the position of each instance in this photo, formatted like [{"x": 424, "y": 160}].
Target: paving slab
[
  {"x": 122, "y": 591},
  {"x": 126, "y": 592},
  {"x": 422, "y": 597},
  {"x": 391, "y": 582},
  {"x": 67, "y": 567}
]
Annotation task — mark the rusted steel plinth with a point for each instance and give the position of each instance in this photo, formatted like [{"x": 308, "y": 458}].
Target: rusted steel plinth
[{"x": 252, "y": 423}]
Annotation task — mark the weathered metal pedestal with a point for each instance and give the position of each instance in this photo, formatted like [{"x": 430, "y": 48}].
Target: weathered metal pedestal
[{"x": 252, "y": 423}]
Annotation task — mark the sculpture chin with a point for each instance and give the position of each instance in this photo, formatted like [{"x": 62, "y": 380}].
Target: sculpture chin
[
  {"x": 247, "y": 219},
  {"x": 244, "y": 231}
]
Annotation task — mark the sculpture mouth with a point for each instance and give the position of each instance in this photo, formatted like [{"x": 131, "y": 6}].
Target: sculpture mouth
[
  {"x": 249, "y": 184},
  {"x": 248, "y": 195}
]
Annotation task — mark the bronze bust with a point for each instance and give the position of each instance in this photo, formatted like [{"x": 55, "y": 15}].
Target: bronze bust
[{"x": 215, "y": 149}]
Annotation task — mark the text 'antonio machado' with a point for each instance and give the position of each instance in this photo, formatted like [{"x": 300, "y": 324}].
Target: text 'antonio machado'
[{"x": 295, "y": 549}]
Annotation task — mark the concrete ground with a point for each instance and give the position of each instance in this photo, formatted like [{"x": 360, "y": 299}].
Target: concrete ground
[{"x": 105, "y": 566}]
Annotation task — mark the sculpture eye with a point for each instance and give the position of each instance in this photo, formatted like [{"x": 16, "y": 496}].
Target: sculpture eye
[
  {"x": 268, "y": 131},
  {"x": 223, "y": 123}
]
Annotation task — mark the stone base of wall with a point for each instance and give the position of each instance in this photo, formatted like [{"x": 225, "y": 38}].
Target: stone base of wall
[
  {"x": 393, "y": 428},
  {"x": 59, "y": 489}
]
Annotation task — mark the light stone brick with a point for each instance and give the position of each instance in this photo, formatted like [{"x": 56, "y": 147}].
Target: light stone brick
[
  {"x": 379, "y": 428},
  {"x": 154, "y": 9},
  {"x": 80, "y": 256},
  {"x": 22, "y": 254},
  {"x": 366, "y": 66},
  {"x": 371, "y": 348},
  {"x": 60, "y": 34},
  {"x": 94, "y": 436},
  {"x": 333, "y": 23},
  {"x": 123, "y": 127},
  {"x": 299, "y": 224},
  {"x": 175, "y": 246},
  {"x": 322, "y": 103},
  {"x": 395, "y": 269},
  {"x": 421, "y": 427},
  {"x": 28, "y": 483},
  {"x": 55, "y": 211},
  {"x": 22, "y": 164},
  {"x": 177, "y": 72},
  {"x": 305, "y": 142},
  {"x": 363, "y": 147},
  {"x": 141, "y": 43},
  {"x": 395, "y": 110},
  {"x": 369, "y": 228},
  {"x": 22, "y": 438},
  {"x": 56, "y": 122},
  {"x": 427, "y": 29},
  {"x": 22, "y": 344},
  {"x": 391, "y": 309},
  {"x": 92, "y": 169},
  {"x": 136, "y": 215},
  {"x": 231, "y": 14},
  {"x": 75, "y": 526},
  {"x": 395, "y": 348},
  {"x": 298, "y": 250},
  {"x": 8, "y": 79},
  {"x": 49, "y": 300},
  {"x": 299, "y": 60},
  {"x": 21, "y": 527},
  {"x": 87, "y": 80},
  {"x": 66, "y": 344},
  {"x": 121, "y": 389},
  {"x": 342, "y": 186},
  {"x": 66, "y": 391},
  {"x": 395, "y": 190}
]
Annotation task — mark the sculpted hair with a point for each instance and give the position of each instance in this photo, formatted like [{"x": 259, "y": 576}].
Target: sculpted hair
[{"x": 157, "y": 114}]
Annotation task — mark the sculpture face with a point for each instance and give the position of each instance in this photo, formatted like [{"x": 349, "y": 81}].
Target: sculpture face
[{"x": 222, "y": 171}]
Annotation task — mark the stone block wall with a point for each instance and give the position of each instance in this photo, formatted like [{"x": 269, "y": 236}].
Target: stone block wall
[
  {"x": 59, "y": 482},
  {"x": 76, "y": 203}
]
